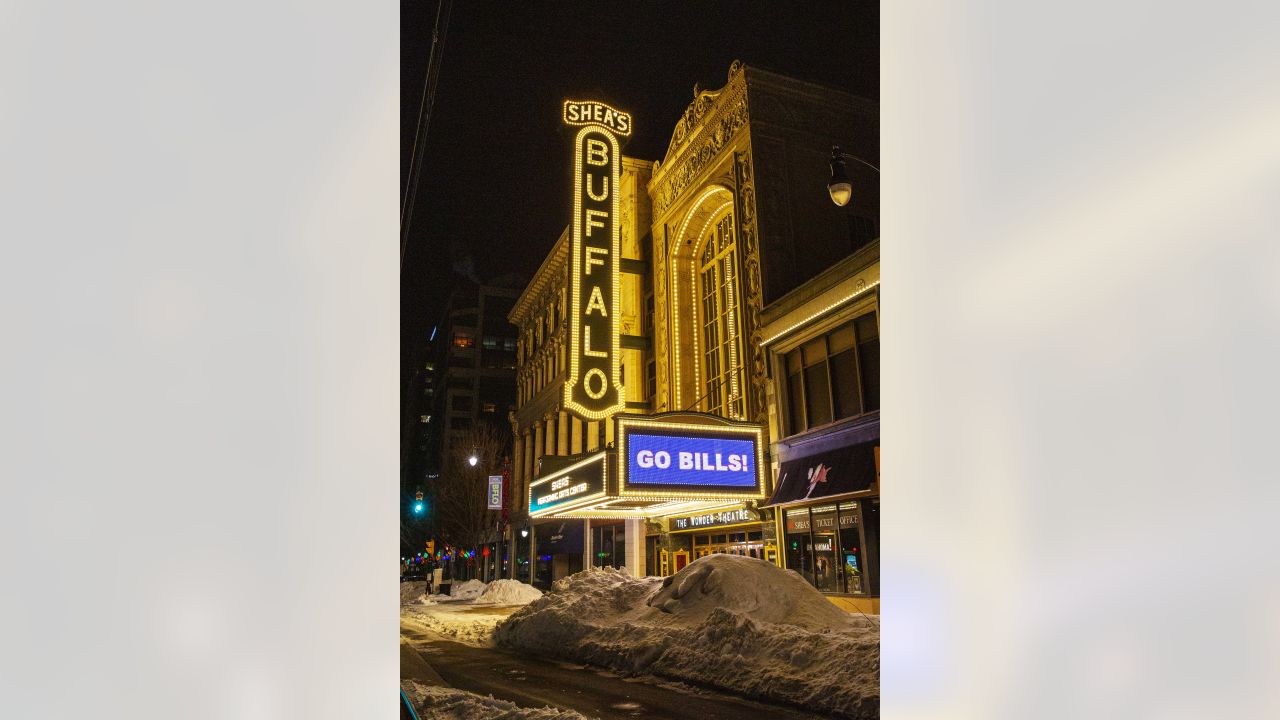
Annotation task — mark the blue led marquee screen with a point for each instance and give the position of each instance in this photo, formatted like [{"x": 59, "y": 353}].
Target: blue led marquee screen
[{"x": 654, "y": 459}]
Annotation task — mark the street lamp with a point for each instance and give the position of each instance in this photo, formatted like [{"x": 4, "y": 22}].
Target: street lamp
[
  {"x": 840, "y": 189},
  {"x": 473, "y": 460}
]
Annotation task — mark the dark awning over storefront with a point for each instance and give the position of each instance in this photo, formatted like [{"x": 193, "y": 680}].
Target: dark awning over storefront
[{"x": 845, "y": 470}]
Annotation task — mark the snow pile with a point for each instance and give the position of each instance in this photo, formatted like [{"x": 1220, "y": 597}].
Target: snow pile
[
  {"x": 412, "y": 591},
  {"x": 469, "y": 590},
  {"x": 726, "y": 621},
  {"x": 508, "y": 592},
  {"x": 438, "y": 703},
  {"x": 461, "y": 622}
]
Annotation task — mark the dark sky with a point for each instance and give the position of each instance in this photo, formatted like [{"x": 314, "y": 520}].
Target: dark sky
[{"x": 495, "y": 178}]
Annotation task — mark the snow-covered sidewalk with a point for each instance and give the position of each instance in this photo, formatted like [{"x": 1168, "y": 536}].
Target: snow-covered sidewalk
[{"x": 469, "y": 613}]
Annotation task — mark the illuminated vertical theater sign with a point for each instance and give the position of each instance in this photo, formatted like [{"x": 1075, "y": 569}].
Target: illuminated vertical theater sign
[{"x": 593, "y": 389}]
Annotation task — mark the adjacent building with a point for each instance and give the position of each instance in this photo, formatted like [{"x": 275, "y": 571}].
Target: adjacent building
[
  {"x": 466, "y": 378},
  {"x": 822, "y": 341}
]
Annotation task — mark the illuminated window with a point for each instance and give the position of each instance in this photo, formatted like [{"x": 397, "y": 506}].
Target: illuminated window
[
  {"x": 834, "y": 376},
  {"x": 488, "y": 407},
  {"x": 463, "y": 340},
  {"x": 718, "y": 314}
]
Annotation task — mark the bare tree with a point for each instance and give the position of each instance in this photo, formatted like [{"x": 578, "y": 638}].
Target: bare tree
[{"x": 461, "y": 494}]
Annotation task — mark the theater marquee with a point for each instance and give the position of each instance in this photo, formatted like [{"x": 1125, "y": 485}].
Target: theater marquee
[
  {"x": 712, "y": 459},
  {"x": 593, "y": 389},
  {"x": 574, "y": 486}
]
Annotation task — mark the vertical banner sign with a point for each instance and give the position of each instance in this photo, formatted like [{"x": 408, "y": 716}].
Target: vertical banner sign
[
  {"x": 495, "y": 492},
  {"x": 593, "y": 389}
]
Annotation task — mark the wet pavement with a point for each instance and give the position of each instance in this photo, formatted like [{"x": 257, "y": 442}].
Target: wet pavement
[{"x": 535, "y": 682}]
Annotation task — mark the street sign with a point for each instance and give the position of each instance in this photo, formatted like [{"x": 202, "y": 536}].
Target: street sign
[{"x": 495, "y": 492}]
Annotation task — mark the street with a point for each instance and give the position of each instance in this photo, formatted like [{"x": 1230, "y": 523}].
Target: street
[{"x": 534, "y": 682}]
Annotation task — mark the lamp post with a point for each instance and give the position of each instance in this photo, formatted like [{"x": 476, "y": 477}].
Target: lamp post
[{"x": 839, "y": 187}]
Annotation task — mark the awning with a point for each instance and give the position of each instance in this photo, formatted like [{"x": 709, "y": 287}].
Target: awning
[{"x": 845, "y": 470}]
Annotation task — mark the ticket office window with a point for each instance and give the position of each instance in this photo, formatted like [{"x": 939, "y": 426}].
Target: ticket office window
[{"x": 835, "y": 547}]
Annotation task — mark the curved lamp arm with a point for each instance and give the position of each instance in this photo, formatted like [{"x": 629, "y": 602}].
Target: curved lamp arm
[{"x": 839, "y": 187}]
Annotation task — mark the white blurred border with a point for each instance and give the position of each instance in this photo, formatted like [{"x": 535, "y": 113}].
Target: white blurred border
[
  {"x": 1080, "y": 327},
  {"x": 200, "y": 302},
  {"x": 1081, "y": 330}
]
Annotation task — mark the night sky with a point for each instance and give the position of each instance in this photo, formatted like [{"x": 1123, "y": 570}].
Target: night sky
[{"x": 495, "y": 180}]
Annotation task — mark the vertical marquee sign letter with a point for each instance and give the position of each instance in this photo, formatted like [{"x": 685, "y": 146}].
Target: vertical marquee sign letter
[{"x": 593, "y": 389}]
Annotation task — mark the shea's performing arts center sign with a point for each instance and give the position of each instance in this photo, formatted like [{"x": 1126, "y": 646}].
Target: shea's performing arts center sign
[{"x": 663, "y": 464}]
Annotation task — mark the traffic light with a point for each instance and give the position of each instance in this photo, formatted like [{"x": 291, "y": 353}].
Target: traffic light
[
  {"x": 431, "y": 548},
  {"x": 418, "y": 507}
]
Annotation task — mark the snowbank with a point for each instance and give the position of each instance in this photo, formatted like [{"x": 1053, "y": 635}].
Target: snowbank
[
  {"x": 468, "y": 590},
  {"x": 412, "y": 591},
  {"x": 438, "y": 703},
  {"x": 459, "y": 621},
  {"x": 731, "y": 622},
  {"x": 508, "y": 592}
]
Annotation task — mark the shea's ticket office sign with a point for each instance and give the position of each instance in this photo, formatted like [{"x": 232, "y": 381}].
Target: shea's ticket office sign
[
  {"x": 593, "y": 389},
  {"x": 662, "y": 458}
]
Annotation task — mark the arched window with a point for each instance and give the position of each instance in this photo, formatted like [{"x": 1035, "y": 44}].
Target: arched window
[{"x": 718, "y": 311}]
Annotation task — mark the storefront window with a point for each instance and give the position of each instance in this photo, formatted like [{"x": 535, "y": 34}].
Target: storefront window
[
  {"x": 799, "y": 548},
  {"x": 836, "y": 548},
  {"x": 608, "y": 546},
  {"x": 824, "y": 548},
  {"x": 852, "y": 561},
  {"x": 542, "y": 572}
]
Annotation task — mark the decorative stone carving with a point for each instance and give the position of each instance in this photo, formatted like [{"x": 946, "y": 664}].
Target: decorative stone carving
[
  {"x": 695, "y": 160},
  {"x": 748, "y": 233},
  {"x": 721, "y": 114}
]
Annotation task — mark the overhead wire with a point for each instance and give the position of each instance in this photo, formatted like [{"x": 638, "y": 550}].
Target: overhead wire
[{"x": 429, "y": 85}]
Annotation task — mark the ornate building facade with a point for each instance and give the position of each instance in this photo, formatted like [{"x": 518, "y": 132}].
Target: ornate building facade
[
  {"x": 732, "y": 219},
  {"x": 741, "y": 218}
]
